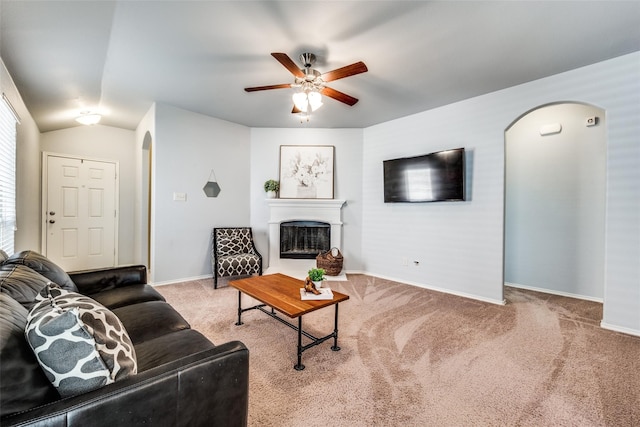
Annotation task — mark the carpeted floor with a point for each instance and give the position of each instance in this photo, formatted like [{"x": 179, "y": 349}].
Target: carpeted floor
[{"x": 414, "y": 357}]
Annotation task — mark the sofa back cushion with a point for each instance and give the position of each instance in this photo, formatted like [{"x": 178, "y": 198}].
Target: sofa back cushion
[
  {"x": 3, "y": 256},
  {"x": 23, "y": 384},
  {"x": 44, "y": 266},
  {"x": 80, "y": 344},
  {"x": 21, "y": 283}
]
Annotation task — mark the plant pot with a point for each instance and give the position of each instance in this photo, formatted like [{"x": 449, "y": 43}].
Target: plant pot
[
  {"x": 317, "y": 283},
  {"x": 271, "y": 194}
]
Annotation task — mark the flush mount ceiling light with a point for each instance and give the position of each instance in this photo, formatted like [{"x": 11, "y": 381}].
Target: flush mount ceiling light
[
  {"x": 88, "y": 118},
  {"x": 311, "y": 84}
]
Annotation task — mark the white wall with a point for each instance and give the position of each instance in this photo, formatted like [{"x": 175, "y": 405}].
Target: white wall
[
  {"x": 104, "y": 143},
  {"x": 265, "y": 161},
  {"x": 27, "y": 169},
  {"x": 617, "y": 90},
  {"x": 555, "y": 201},
  {"x": 460, "y": 245},
  {"x": 146, "y": 129},
  {"x": 187, "y": 146}
]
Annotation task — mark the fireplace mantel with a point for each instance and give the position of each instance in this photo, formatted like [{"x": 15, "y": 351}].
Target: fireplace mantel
[
  {"x": 281, "y": 210},
  {"x": 327, "y": 210}
]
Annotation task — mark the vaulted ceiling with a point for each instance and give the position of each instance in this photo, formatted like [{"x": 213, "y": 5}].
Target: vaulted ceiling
[{"x": 118, "y": 57}]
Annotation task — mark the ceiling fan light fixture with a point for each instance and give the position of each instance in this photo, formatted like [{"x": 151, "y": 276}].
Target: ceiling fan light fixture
[
  {"x": 88, "y": 118},
  {"x": 309, "y": 84},
  {"x": 307, "y": 100},
  {"x": 300, "y": 101},
  {"x": 315, "y": 100}
]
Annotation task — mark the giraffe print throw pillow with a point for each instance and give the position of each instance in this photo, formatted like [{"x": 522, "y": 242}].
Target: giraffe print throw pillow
[{"x": 80, "y": 344}]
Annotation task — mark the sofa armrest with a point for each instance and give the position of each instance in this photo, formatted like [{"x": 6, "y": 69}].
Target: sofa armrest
[
  {"x": 103, "y": 279},
  {"x": 204, "y": 389}
]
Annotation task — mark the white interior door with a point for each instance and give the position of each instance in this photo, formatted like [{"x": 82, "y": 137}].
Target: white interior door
[{"x": 81, "y": 215}]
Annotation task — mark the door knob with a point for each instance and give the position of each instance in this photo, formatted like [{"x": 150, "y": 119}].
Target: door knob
[
  {"x": 51, "y": 221},
  {"x": 52, "y": 213}
]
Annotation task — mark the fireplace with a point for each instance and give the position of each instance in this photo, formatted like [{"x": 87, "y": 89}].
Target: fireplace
[
  {"x": 321, "y": 217},
  {"x": 304, "y": 239}
]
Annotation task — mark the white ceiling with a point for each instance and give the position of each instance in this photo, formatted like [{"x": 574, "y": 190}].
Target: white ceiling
[{"x": 118, "y": 57}]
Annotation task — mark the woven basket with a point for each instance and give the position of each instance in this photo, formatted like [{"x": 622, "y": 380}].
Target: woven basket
[{"x": 332, "y": 264}]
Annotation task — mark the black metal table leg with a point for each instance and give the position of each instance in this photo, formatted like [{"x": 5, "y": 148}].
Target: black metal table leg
[
  {"x": 335, "y": 332},
  {"x": 300, "y": 348},
  {"x": 299, "y": 366},
  {"x": 239, "y": 309}
]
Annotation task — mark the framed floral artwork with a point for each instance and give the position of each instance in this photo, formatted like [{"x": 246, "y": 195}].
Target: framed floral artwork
[{"x": 306, "y": 171}]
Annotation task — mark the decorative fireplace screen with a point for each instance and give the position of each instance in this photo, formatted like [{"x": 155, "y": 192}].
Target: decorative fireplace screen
[{"x": 304, "y": 239}]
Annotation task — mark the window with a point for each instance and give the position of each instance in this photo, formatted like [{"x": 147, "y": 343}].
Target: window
[{"x": 8, "y": 120}]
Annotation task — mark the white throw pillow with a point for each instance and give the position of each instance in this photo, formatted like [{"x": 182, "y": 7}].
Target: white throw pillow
[{"x": 80, "y": 344}]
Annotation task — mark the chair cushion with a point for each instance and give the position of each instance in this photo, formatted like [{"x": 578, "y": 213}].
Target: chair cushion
[
  {"x": 127, "y": 295},
  {"x": 231, "y": 241},
  {"x": 80, "y": 344},
  {"x": 22, "y": 283},
  {"x": 236, "y": 265},
  {"x": 44, "y": 266},
  {"x": 148, "y": 320},
  {"x": 169, "y": 347},
  {"x": 23, "y": 384}
]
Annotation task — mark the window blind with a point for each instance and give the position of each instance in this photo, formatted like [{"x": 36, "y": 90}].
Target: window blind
[{"x": 7, "y": 177}]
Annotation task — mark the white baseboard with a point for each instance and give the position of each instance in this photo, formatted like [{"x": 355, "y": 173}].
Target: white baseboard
[
  {"x": 420, "y": 285},
  {"x": 437, "y": 289},
  {"x": 553, "y": 292},
  {"x": 621, "y": 329},
  {"x": 186, "y": 279}
]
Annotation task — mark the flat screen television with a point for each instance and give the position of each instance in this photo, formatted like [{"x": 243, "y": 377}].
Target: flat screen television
[{"x": 434, "y": 177}]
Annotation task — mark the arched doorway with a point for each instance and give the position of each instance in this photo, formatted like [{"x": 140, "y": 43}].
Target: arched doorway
[{"x": 555, "y": 178}]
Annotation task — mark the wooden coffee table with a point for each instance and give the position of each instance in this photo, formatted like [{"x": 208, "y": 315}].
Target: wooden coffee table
[{"x": 282, "y": 294}]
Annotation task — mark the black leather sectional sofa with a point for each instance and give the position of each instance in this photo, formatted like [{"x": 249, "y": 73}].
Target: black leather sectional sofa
[{"x": 181, "y": 378}]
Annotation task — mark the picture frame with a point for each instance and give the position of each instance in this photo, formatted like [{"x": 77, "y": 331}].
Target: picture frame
[{"x": 306, "y": 171}]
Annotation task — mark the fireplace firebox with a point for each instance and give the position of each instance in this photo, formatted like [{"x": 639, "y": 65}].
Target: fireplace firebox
[{"x": 304, "y": 239}]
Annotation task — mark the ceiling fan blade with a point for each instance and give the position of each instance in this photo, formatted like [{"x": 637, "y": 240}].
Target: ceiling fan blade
[
  {"x": 339, "y": 96},
  {"x": 254, "y": 89},
  {"x": 343, "y": 72},
  {"x": 288, "y": 63}
]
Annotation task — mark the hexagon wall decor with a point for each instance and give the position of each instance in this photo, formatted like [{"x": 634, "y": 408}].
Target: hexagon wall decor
[{"x": 211, "y": 189}]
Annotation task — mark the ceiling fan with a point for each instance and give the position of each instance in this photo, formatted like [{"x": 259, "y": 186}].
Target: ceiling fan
[{"x": 311, "y": 83}]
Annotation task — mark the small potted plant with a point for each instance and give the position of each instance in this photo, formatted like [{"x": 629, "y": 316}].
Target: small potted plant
[
  {"x": 317, "y": 276},
  {"x": 271, "y": 186}
]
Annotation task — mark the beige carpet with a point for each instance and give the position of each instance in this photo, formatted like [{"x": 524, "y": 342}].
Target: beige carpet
[{"x": 413, "y": 357}]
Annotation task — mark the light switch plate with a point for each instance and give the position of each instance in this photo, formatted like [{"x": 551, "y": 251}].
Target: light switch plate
[{"x": 180, "y": 197}]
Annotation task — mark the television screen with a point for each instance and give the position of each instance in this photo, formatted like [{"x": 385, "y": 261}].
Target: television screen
[{"x": 429, "y": 178}]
